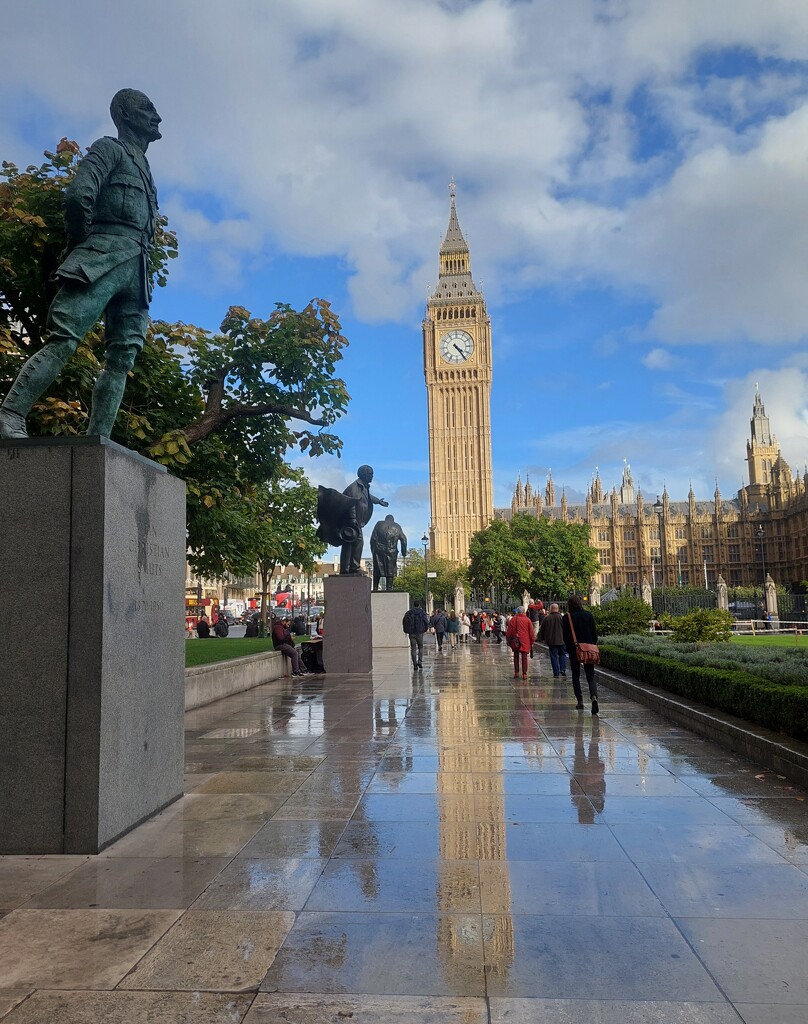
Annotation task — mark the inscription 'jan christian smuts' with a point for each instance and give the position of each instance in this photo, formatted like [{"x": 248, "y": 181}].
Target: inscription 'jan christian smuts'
[{"x": 151, "y": 556}]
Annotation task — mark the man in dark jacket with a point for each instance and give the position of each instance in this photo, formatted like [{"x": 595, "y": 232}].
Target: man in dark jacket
[
  {"x": 415, "y": 623},
  {"x": 586, "y": 632},
  {"x": 439, "y": 623},
  {"x": 551, "y": 632}
]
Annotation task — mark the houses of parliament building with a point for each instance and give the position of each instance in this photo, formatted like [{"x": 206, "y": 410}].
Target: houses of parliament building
[{"x": 763, "y": 528}]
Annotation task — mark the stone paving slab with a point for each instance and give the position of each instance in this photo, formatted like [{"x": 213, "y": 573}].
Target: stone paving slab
[{"x": 451, "y": 845}]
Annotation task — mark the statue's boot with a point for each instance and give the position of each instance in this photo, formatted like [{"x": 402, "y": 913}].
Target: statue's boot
[
  {"x": 39, "y": 372},
  {"x": 107, "y": 398}
]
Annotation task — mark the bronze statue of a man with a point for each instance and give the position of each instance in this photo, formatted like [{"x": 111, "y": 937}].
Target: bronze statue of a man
[
  {"x": 342, "y": 516},
  {"x": 384, "y": 541},
  {"x": 110, "y": 216}
]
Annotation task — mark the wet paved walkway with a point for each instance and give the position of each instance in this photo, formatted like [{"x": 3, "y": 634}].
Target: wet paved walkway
[{"x": 448, "y": 847}]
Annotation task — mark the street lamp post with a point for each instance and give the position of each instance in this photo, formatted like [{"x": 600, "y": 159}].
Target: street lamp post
[
  {"x": 761, "y": 536},
  {"x": 659, "y": 509},
  {"x": 425, "y": 542}
]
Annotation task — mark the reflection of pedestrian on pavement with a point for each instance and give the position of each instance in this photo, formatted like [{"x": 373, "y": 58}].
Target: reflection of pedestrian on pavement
[{"x": 589, "y": 769}]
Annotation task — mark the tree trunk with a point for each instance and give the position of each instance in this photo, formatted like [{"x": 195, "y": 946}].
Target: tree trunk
[{"x": 267, "y": 572}]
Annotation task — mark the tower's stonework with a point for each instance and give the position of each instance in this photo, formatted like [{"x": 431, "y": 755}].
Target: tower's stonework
[{"x": 457, "y": 368}]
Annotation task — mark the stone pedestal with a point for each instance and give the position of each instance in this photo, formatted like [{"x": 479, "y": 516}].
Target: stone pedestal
[
  {"x": 92, "y": 558},
  {"x": 388, "y": 609},
  {"x": 348, "y": 625}
]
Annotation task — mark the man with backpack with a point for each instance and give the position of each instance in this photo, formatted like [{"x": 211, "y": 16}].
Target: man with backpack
[
  {"x": 439, "y": 623},
  {"x": 222, "y": 628},
  {"x": 415, "y": 623}
]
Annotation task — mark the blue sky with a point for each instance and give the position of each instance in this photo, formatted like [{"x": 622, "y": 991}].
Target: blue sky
[{"x": 632, "y": 179}]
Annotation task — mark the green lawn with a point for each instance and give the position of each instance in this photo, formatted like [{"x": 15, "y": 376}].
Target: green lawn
[
  {"x": 773, "y": 640},
  {"x": 204, "y": 652}
]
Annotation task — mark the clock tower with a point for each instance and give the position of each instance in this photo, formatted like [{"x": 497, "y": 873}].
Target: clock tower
[{"x": 457, "y": 368}]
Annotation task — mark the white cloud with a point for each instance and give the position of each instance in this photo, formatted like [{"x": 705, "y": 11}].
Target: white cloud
[
  {"x": 658, "y": 359},
  {"x": 326, "y": 129}
]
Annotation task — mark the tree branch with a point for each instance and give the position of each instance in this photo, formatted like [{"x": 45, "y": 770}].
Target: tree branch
[{"x": 215, "y": 417}]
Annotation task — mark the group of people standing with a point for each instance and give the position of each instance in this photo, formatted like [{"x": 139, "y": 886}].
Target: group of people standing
[{"x": 464, "y": 629}]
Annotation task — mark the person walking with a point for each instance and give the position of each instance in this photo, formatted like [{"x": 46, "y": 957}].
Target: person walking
[
  {"x": 520, "y": 639},
  {"x": 551, "y": 632},
  {"x": 282, "y": 641},
  {"x": 476, "y": 627},
  {"x": 465, "y": 627},
  {"x": 498, "y": 626},
  {"x": 453, "y": 629},
  {"x": 586, "y": 632},
  {"x": 415, "y": 623},
  {"x": 533, "y": 615},
  {"x": 439, "y": 623}
]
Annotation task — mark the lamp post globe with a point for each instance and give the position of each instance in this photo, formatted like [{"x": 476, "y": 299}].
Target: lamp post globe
[
  {"x": 659, "y": 509},
  {"x": 425, "y": 542}
]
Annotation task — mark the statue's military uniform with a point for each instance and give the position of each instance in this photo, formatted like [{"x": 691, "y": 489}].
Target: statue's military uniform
[{"x": 110, "y": 216}]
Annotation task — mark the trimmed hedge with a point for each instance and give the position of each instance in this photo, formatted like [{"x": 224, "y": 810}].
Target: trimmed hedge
[{"x": 781, "y": 708}]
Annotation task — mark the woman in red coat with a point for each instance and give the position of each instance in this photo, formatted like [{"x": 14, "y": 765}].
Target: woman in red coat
[{"x": 521, "y": 628}]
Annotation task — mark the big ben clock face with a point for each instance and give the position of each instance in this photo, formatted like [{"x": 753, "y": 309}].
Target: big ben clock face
[{"x": 456, "y": 346}]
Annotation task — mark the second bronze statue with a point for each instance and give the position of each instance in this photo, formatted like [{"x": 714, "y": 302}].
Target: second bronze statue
[
  {"x": 342, "y": 516},
  {"x": 384, "y": 542}
]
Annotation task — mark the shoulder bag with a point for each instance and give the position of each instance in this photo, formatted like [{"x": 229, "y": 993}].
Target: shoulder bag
[{"x": 587, "y": 654}]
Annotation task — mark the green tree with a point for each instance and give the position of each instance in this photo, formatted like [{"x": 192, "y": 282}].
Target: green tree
[
  {"x": 219, "y": 409},
  {"x": 546, "y": 557},
  {"x": 496, "y": 560},
  {"x": 280, "y": 528},
  {"x": 412, "y": 577}
]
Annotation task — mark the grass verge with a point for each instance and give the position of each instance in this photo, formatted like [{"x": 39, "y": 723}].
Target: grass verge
[
  {"x": 771, "y": 641},
  {"x": 205, "y": 652}
]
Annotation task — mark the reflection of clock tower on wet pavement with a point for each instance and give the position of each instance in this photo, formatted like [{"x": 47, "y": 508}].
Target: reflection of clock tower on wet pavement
[{"x": 457, "y": 367}]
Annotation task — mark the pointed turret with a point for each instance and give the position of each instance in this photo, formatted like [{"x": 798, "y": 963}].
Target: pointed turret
[
  {"x": 528, "y": 490},
  {"x": 596, "y": 489},
  {"x": 762, "y": 451},
  {"x": 627, "y": 486},
  {"x": 455, "y": 283},
  {"x": 759, "y": 424},
  {"x": 549, "y": 492},
  {"x": 519, "y": 493},
  {"x": 564, "y": 504}
]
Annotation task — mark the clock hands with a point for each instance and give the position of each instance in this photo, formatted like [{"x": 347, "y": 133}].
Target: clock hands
[{"x": 459, "y": 349}]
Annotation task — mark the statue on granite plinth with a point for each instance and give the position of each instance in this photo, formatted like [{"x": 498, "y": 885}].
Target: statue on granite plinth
[
  {"x": 110, "y": 216},
  {"x": 342, "y": 516},
  {"x": 384, "y": 541}
]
